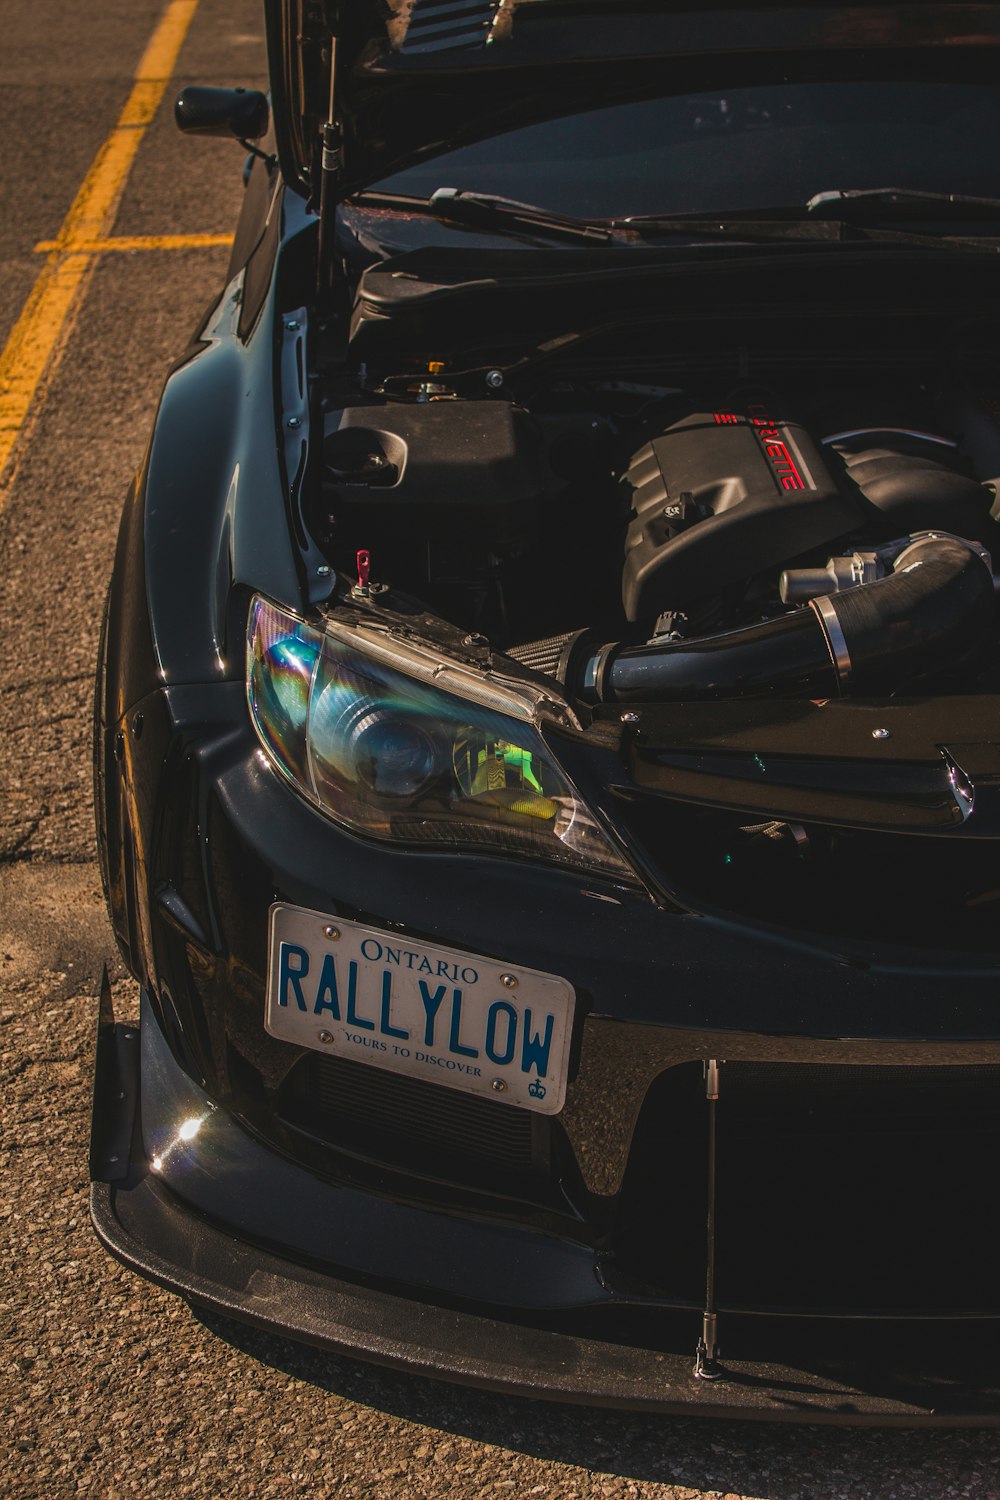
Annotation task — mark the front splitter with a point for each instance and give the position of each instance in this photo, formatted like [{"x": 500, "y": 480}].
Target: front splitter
[{"x": 147, "y": 1228}]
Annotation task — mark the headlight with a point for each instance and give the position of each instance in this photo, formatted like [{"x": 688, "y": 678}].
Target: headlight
[{"x": 364, "y": 725}]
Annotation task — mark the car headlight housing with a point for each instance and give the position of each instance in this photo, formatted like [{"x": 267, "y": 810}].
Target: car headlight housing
[{"x": 393, "y": 740}]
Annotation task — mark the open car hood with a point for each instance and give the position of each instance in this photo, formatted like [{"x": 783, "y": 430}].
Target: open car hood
[{"x": 415, "y": 77}]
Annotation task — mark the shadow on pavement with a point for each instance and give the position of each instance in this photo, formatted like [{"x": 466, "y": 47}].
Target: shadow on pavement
[{"x": 775, "y": 1461}]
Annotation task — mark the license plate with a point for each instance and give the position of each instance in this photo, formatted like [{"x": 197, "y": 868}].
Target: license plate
[{"x": 446, "y": 1016}]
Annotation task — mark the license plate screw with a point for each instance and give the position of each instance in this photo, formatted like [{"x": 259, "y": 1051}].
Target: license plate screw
[
  {"x": 331, "y": 932},
  {"x": 508, "y": 981},
  {"x": 499, "y": 1087},
  {"x": 326, "y": 1036}
]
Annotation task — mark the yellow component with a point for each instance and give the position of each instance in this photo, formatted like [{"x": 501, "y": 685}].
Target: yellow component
[
  {"x": 528, "y": 804},
  {"x": 535, "y": 807},
  {"x": 435, "y": 367},
  {"x": 496, "y": 775}
]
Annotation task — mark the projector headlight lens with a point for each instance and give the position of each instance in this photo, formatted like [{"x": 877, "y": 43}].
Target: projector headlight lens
[{"x": 393, "y": 756}]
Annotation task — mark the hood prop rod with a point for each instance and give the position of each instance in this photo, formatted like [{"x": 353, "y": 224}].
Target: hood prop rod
[
  {"x": 706, "y": 1365},
  {"x": 331, "y": 162}
]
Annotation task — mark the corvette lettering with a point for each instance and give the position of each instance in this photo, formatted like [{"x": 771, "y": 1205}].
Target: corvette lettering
[
  {"x": 786, "y": 470},
  {"x": 776, "y": 450}
]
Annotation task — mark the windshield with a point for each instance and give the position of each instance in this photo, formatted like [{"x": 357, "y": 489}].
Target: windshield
[{"x": 738, "y": 148}]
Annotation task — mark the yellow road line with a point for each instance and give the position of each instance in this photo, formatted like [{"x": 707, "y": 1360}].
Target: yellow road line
[
  {"x": 35, "y": 345},
  {"x": 142, "y": 242}
]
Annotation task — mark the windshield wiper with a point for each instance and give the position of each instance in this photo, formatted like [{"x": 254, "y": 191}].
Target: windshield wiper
[
  {"x": 840, "y": 202},
  {"x": 490, "y": 211},
  {"x": 802, "y": 221},
  {"x": 734, "y": 224},
  {"x": 789, "y": 222}
]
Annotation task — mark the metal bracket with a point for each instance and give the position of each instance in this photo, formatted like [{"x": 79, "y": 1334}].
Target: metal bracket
[
  {"x": 294, "y": 374},
  {"x": 116, "y": 1095}
]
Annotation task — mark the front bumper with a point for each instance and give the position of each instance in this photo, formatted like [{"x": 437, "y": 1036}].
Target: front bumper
[
  {"x": 584, "y": 1283},
  {"x": 185, "y": 1196},
  {"x": 152, "y": 1233}
]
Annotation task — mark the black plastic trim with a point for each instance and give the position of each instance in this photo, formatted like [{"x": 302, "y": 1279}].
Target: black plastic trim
[
  {"x": 146, "y": 1227},
  {"x": 150, "y": 1232}
]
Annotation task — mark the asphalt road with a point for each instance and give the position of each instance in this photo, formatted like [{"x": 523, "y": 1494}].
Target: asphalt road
[{"x": 110, "y": 1387}]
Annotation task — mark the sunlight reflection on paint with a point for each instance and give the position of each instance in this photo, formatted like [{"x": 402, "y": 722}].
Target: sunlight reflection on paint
[{"x": 186, "y": 1131}]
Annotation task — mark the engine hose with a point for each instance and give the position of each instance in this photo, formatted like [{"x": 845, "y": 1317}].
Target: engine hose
[{"x": 870, "y": 640}]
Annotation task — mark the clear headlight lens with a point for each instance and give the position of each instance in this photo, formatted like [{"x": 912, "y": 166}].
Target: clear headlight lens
[{"x": 366, "y": 728}]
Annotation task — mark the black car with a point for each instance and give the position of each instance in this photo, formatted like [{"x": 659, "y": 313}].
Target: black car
[{"x": 548, "y": 761}]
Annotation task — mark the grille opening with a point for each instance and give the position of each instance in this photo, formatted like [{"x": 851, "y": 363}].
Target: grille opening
[
  {"x": 840, "y": 1188},
  {"x": 417, "y": 1126},
  {"x": 933, "y": 894}
]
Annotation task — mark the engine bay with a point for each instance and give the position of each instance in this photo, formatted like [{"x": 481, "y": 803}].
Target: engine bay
[
  {"x": 751, "y": 542},
  {"x": 674, "y": 529}
]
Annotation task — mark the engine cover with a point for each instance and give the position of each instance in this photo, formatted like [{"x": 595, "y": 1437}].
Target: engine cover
[{"x": 720, "y": 496}]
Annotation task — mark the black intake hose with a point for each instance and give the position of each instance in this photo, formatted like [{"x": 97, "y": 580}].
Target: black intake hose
[{"x": 870, "y": 640}]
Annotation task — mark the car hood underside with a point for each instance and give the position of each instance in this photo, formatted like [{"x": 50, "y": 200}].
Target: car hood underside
[{"x": 415, "y": 77}]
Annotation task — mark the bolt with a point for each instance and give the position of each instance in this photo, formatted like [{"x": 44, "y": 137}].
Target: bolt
[
  {"x": 499, "y": 1087},
  {"x": 292, "y": 325},
  {"x": 332, "y": 933},
  {"x": 508, "y": 981},
  {"x": 137, "y": 722},
  {"x": 112, "y": 1158},
  {"x": 323, "y": 571},
  {"x": 326, "y": 1037},
  {"x": 475, "y": 639},
  {"x": 880, "y": 734},
  {"x": 630, "y": 718},
  {"x": 294, "y": 421},
  {"x": 494, "y": 379}
]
